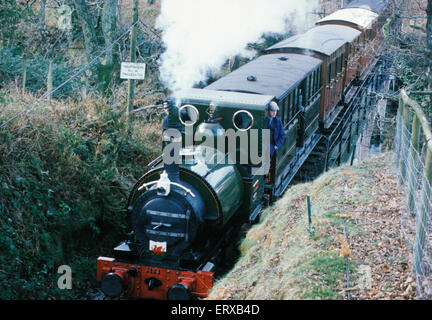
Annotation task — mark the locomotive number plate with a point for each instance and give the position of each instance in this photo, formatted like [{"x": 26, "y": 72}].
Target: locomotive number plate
[{"x": 153, "y": 270}]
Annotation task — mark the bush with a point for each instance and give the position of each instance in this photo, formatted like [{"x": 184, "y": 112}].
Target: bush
[{"x": 65, "y": 177}]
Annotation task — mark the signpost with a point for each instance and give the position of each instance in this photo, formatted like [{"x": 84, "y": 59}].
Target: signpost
[{"x": 132, "y": 71}]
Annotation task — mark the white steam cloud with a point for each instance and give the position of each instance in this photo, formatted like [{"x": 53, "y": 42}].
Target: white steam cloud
[{"x": 200, "y": 35}]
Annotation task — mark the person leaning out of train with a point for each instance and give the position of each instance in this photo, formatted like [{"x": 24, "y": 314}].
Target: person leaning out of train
[{"x": 274, "y": 123}]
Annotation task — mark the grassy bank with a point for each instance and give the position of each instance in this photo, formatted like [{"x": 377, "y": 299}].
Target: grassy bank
[
  {"x": 355, "y": 220},
  {"x": 65, "y": 173}
]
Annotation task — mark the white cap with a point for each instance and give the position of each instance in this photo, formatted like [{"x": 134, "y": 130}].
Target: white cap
[{"x": 273, "y": 106}]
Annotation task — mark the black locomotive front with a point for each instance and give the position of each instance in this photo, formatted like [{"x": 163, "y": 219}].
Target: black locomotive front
[{"x": 169, "y": 215}]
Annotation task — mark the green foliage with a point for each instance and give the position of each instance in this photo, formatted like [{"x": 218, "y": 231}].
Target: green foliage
[
  {"x": 62, "y": 196},
  {"x": 11, "y": 15}
]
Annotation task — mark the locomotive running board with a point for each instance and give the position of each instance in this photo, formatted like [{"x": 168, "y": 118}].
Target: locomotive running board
[{"x": 290, "y": 173}]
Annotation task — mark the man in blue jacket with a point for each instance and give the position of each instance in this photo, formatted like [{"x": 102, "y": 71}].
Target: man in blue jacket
[{"x": 277, "y": 132}]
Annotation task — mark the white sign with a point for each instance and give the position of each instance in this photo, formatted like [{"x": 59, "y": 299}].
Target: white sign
[{"x": 131, "y": 70}]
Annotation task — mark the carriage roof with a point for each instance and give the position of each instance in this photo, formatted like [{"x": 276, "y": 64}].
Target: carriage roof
[
  {"x": 223, "y": 98},
  {"x": 273, "y": 74},
  {"x": 363, "y": 18},
  {"x": 325, "y": 39}
]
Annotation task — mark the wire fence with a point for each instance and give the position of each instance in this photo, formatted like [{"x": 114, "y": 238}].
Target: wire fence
[
  {"x": 75, "y": 73},
  {"x": 413, "y": 160}
]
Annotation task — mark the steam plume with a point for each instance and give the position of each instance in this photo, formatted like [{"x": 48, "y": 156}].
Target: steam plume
[{"x": 200, "y": 35}]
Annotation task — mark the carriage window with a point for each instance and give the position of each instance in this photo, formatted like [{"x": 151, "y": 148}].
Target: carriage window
[
  {"x": 294, "y": 102},
  {"x": 339, "y": 64},
  {"x": 343, "y": 61},
  {"x": 316, "y": 80},
  {"x": 311, "y": 85},
  {"x": 291, "y": 101},
  {"x": 286, "y": 110},
  {"x": 188, "y": 114},
  {"x": 317, "y": 74},
  {"x": 242, "y": 120},
  {"x": 281, "y": 111},
  {"x": 303, "y": 92},
  {"x": 334, "y": 68},
  {"x": 329, "y": 70}
]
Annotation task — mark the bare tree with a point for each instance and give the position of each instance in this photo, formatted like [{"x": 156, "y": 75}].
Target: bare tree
[
  {"x": 88, "y": 23},
  {"x": 102, "y": 72},
  {"x": 42, "y": 4}
]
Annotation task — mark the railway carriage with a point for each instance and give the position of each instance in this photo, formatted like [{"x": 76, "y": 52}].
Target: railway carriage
[
  {"x": 330, "y": 44},
  {"x": 183, "y": 215},
  {"x": 366, "y": 19},
  {"x": 361, "y": 50}
]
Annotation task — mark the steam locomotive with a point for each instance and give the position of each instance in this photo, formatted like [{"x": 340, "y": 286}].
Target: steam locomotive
[{"x": 182, "y": 215}]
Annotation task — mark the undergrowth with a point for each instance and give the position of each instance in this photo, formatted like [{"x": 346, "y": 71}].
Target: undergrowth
[{"x": 65, "y": 173}]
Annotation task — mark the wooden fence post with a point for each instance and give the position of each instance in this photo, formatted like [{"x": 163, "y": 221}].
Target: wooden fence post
[
  {"x": 24, "y": 73},
  {"x": 405, "y": 126},
  {"x": 132, "y": 56},
  {"x": 399, "y": 126},
  {"x": 412, "y": 172}
]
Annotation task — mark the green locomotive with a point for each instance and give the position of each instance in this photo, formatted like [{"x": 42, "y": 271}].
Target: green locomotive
[{"x": 181, "y": 213}]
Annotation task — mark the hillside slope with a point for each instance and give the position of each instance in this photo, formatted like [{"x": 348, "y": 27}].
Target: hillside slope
[
  {"x": 281, "y": 259},
  {"x": 66, "y": 170}
]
